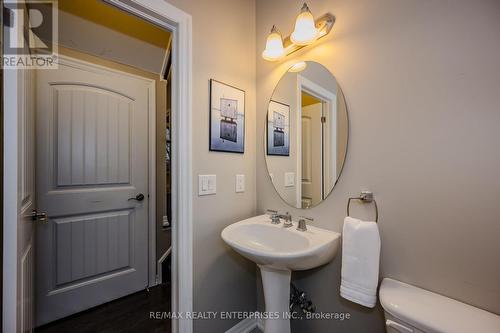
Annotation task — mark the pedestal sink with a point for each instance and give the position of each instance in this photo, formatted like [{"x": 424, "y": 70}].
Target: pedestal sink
[{"x": 278, "y": 251}]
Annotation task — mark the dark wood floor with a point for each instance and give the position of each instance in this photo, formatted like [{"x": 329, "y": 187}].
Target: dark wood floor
[{"x": 127, "y": 314}]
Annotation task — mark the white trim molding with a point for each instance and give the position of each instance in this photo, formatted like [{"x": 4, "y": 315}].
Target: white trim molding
[
  {"x": 152, "y": 184},
  {"x": 260, "y": 324},
  {"x": 12, "y": 85},
  {"x": 246, "y": 326},
  {"x": 159, "y": 274},
  {"x": 314, "y": 89},
  {"x": 180, "y": 24}
]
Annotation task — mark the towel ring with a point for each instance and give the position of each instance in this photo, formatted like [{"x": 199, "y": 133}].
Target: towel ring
[{"x": 365, "y": 197}]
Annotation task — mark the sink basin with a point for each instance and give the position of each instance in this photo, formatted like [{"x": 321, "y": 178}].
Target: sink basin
[
  {"x": 278, "y": 251},
  {"x": 274, "y": 246}
]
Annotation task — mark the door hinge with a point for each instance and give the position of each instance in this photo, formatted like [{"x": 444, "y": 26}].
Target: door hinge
[{"x": 323, "y": 119}]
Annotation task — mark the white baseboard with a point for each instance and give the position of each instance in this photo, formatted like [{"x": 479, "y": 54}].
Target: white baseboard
[
  {"x": 159, "y": 271},
  {"x": 260, "y": 324},
  {"x": 245, "y": 326}
]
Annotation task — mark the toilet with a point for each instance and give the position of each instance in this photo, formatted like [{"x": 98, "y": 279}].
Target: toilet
[{"x": 409, "y": 309}]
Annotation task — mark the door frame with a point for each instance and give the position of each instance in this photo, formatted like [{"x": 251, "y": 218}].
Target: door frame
[
  {"x": 12, "y": 84},
  {"x": 1, "y": 163},
  {"x": 330, "y": 100},
  {"x": 180, "y": 24}
]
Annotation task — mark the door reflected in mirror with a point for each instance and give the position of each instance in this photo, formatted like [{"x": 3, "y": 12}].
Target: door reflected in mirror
[{"x": 306, "y": 135}]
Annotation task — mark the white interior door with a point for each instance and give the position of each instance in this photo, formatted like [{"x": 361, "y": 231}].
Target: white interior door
[
  {"x": 92, "y": 156},
  {"x": 312, "y": 146}
]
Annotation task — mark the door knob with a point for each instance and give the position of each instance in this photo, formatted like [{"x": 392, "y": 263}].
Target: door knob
[
  {"x": 138, "y": 197},
  {"x": 40, "y": 216}
]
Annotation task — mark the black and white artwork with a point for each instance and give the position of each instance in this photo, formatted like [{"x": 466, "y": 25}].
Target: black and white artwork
[
  {"x": 227, "y": 118},
  {"x": 278, "y": 129}
]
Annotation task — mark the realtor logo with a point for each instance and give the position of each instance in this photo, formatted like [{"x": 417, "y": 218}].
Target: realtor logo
[{"x": 30, "y": 32}]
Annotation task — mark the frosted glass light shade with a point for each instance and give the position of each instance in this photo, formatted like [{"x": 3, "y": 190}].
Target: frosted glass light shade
[
  {"x": 305, "y": 31},
  {"x": 298, "y": 67},
  {"x": 274, "y": 46}
]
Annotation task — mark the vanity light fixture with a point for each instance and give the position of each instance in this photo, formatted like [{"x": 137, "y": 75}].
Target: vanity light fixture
[
  {"x": 307, "y": 31},
  {"x": 298, "y": 67},
  {"x": 274, "y": 46}
]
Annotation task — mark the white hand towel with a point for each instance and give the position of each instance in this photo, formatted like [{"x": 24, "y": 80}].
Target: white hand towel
[{"x": 360, "y": 261}]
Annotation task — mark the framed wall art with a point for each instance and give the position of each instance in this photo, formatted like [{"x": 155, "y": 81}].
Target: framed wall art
[
  {"x": 227, "y": 118},
  {"x": 278, "y": 129}
]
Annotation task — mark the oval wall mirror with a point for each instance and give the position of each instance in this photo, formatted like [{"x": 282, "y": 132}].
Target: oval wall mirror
[{"x": 307, "y": 130}]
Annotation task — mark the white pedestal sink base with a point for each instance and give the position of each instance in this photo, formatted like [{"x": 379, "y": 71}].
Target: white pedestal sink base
[
  {"x": 278, "y": 251},
  {"x": 276, "y": 285}
]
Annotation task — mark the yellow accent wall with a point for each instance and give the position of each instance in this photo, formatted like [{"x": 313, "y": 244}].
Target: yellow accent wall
[
  {"x": 117, "y": 20},
  {"x": 309, "y": 99}
]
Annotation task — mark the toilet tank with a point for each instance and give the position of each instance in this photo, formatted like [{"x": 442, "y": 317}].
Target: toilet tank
[{"x": 409, "y": 309}]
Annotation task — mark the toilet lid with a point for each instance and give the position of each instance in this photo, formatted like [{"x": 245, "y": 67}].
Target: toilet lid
[{"x": 434, "y": 313}]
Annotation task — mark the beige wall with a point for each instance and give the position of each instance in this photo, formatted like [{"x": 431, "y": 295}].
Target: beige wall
[
  {"x": 422, "y": 84},
  {"x": 223, "y": 49}
]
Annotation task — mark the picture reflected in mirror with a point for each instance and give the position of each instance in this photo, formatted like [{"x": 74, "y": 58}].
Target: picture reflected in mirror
[{"x": 306, "y": 135}]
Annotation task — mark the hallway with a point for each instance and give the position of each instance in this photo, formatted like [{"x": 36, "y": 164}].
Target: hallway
[{"x": 127, "y": 314}]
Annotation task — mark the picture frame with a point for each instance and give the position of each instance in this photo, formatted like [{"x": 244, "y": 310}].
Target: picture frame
[
  {"x": 278, "y": 129},
  {"x": 227, "y": 118}
]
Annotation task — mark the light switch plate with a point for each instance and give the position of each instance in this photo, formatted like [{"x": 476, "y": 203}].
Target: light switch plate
[
  {"x": 289, "y": 179},
  {"x": 240, "y": 183},
  {"x": 207, "y": 184}
]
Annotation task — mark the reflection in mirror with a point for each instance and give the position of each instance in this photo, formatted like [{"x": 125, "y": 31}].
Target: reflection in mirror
[{"x": 306, "y": 135}]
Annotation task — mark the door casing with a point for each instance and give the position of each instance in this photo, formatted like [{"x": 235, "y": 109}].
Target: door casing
[
  {"x": 330, "y": 107},
  {"x": 180, "y": 24}
]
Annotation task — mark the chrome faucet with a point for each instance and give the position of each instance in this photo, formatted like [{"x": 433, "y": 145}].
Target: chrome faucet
[
  {"x": 303, "y": 223},
  {"x": 288, "y": 220},
  {"x": 276, "y": 218},
  {"x": 273, "y": 215}
]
